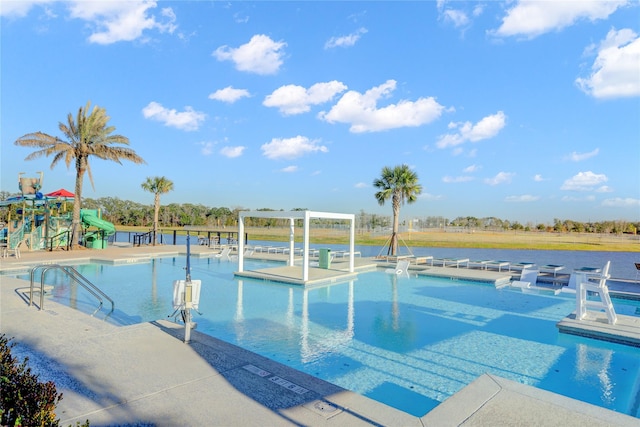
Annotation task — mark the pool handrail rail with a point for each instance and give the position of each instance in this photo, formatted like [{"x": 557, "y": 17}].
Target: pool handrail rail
[{"x": 73, "y": 274}]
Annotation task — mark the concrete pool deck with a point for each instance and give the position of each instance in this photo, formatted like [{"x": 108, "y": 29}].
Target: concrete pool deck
[{"x": 145, "y": 375}]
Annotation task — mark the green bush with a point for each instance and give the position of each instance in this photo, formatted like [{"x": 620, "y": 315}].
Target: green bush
[{"x": 24, "y": 401}]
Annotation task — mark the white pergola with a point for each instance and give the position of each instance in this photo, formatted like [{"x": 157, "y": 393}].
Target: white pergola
[{"x": 292, "y": 216}]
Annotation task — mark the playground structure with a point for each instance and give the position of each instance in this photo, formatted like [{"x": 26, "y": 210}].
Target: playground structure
[{"x": 44, "y": 221}]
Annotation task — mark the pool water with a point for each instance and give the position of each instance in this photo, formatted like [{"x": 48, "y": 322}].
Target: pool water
[{"x": 407, "y": 342}]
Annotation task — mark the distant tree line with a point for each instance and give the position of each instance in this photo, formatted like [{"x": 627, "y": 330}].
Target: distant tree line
[
  {"x": 558, "y": 226},
  {"x": 128, "y": 213}
]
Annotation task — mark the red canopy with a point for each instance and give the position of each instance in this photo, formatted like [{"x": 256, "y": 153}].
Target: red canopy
[{"x": 61, "y": 193}]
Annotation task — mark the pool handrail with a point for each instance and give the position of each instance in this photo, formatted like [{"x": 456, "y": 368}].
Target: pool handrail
[{"x": 73, "y": 274}]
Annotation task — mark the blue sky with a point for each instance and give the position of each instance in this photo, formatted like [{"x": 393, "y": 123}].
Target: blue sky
[{"x": 522, "y": 110}]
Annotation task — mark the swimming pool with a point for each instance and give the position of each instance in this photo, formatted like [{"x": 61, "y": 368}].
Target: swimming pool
[{"x": 407, "y": 342}]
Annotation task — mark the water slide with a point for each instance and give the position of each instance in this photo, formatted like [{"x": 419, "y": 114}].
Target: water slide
[{"x": 93, "y": 221}]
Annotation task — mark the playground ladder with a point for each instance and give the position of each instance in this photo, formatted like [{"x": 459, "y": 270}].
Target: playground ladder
[{"x": 74, "y": 275}]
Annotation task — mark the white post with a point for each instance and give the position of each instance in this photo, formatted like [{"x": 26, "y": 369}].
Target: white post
[
  {"x": 291, "y": 240},
  {"x": 241, "y": 243},
  {"x": 352, "y": 244},
  {"x": 305, "y": 256}
]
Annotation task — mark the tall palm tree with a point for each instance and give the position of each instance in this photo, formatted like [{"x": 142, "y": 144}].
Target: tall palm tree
[
  {"x": 88, "y": 135},
  {"x": 399, "y": 184},
  {"x": 157, "y": 185}
]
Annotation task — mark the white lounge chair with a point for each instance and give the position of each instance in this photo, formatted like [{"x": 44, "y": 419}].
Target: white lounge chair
[
  {"x": 552, "y": 268},
  {"x": 16, "y": 251},
  {"x": 401, "y": 268},
  {"x": 224, "y": 255},
  {"x": 528, "y": 278},
  {"x": 600, "y": 288},
  {"x": 453, "y": 261},
  {"x": 497, "y": 264}
]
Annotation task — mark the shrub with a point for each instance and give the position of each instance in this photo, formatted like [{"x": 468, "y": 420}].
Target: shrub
[{"x": 23, "y": 399}]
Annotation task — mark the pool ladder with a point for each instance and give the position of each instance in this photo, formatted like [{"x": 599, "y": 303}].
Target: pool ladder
[{"x": 74, "y": 275}]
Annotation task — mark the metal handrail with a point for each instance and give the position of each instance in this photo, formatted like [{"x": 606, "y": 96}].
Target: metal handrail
[
  {"x": 73, "y": 274},
  {"x": 58, "y": 236},
  {"x": 139, "y": 238}
]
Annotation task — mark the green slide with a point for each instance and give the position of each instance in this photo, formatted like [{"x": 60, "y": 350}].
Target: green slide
[
  {"x": 93, "y": 240},
  {"x": 94, "y": 221}
]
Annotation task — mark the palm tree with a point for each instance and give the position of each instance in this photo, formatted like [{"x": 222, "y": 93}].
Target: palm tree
[
  {"x": 399, "y": 184},
  {"x": 88, "y": 135},
  {"x": 157, "y": 185}
]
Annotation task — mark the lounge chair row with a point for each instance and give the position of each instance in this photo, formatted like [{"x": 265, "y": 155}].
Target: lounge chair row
[
  {"x": 487, "y": 264},
  {"x": 299, "y": 251}
]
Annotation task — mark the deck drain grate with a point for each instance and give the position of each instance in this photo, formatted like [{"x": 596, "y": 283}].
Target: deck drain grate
[{"x": 324, "y": 407}]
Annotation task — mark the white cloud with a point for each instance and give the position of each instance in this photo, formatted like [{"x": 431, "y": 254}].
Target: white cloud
[
  {"x": 116, "y": 21},
  {"x": 229, "y": 94},
  {"x": 232, "y": 152},
  {"x": 619, "y": 202},
  {"x": 471, "y": 169},
  {"x": 430, "y": 197},
  {"x": 361, "y": 111},
  {"x": 361, "y": 185},
  {"x": 260, "y": 55},
  {"x": 578, "y": 157},
  {"x": 345, "y": 41},
  {"x": 207, "y": 148},
  {"x": 500, "y": 178},
  {"x": 522, "y": 199},
  {"x": 293, "y": 99},
  {"x": 188, "y": 120},
  {"x": 488, "y": 127},
  {"x": 457, "y": 17},
  {"x": 604, "y": 189},
  {"x": 19, "y": 8},
  {"x": 532, "y": 18},
  {"x": 584, "y": 181},
  {"x": 615, "y": 71},
  {"x": 289, "y": 169},
  {"x": 589, "y": 198},
  {"x": 455, "y": 179},
  {"x": 239, "y": 18},
  {"x": 538, "y": 178},
  {"x": 291, "y": 148}
]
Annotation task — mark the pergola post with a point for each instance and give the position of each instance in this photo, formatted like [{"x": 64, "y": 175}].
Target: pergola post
[
  {"x": 305, "y": 249},
  {"x": 240, "y": 243},
  {"x": 352, "y": 245},
  {"x": 291, "y": 241}
]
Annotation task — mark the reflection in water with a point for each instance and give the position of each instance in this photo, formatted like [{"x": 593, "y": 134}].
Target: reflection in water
[
  {"x": 594, "y": 363},
  {"x": 238, "y": 318},
  {"x": 290, "y": 311},
  {"x": 153, "y": 302},
  {"x": 315, "y": 340},
  {"x": 154, "y": 282},
  {"x": 311, "y": 350},
  {"x": 395, "y": 307}
]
